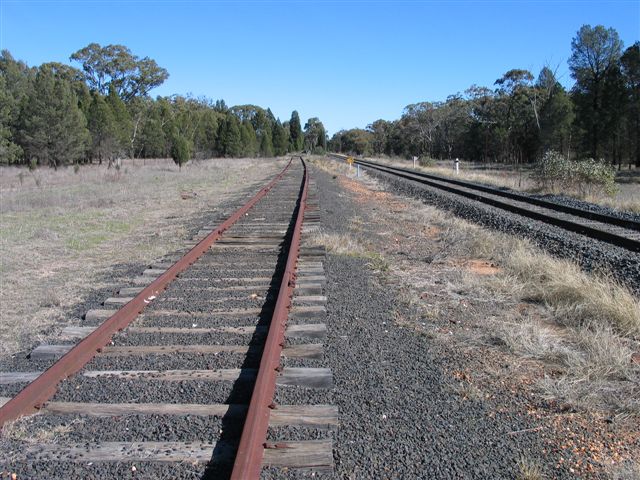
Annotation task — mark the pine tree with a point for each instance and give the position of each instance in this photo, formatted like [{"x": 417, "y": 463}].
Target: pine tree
[
  {"x": 53, "y": 127},
  {"x": 10, "y": 152},
  {"x": 122, "y": 120},
  {"x": 229, "y": 138},
  {"x": 248, "y": 139},
  {"x": 180, "y": 149},
  {"x": 104, "y": 131},
  {"x": 280, "y": 139},
  {"x": 296, "y": 138},
  {"x": 266, "y": 146}
]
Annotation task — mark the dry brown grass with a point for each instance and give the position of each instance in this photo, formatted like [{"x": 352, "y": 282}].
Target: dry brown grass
[
  {"x": 593, "y": 324},
  {"x": 61, "y": 233},
  {"x": 629, "y": 470},
  {"x": 529, "y": 469},
  {"x": 343, "y": 244},
  {"x": 577, "y": 298},
  {"x": 585, "y": 329},
  {"x": 22, "y": 430}
]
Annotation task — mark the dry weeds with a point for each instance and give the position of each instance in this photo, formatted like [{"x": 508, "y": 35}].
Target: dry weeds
[
  {"x": 587, "y": 326},
  {"x": 593, "y": 323},
  {"x": 61, "y": 231},
  {"x": 529, "y": 469}
]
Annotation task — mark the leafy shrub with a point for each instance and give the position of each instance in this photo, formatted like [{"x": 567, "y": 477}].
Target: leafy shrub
[
  {"x": 597, "y": 175},
  {"x": 426, "y": 162},
  {"x": 180, "y": 150},
  {"x": 584, "y": 177}
]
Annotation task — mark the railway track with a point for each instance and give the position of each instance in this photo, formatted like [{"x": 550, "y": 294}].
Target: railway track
[
  {"x": 178, "y": 375},
  {"x": 621, "y": 232}
]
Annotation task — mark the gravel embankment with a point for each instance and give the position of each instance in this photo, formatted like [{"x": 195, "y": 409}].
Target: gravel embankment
[
  {"x": 592, "y": 255},
  {"x": 591, "y": 207},
  {"x": 400, "y": 415}
]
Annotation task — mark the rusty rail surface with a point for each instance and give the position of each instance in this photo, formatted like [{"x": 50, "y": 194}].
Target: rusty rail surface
[
  {"x": 248, "y": 462},
  {"x": 36, "y": 393}
]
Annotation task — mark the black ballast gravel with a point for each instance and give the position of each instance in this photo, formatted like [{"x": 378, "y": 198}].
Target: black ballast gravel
[
  {"x": 398, "y": 414},
  {"x": 591, "y": 255}
]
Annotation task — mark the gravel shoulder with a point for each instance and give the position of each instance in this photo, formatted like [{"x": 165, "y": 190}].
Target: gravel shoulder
[{"x": 422, "y": 392}]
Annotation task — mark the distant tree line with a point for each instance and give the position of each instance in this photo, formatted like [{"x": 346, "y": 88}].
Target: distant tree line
[
  {"x": 523, "y": 117},
  {"x": 56, "y": 115}
]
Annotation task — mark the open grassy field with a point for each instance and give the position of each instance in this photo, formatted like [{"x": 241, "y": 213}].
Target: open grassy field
[
  {"x": 60, "y": 231},
  {"x": 628, "y": 181}
]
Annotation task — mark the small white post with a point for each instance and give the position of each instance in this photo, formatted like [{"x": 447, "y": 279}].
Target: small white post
[
  {"x": 358, "y": 174},
  {"x": 457, "y": 166},
  {"x": 414, "y": 161}
]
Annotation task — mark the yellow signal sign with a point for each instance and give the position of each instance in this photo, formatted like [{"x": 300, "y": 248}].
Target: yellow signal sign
[{"x": 350, "y": 160}]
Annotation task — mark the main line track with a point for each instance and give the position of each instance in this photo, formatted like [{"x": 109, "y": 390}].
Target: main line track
[
  {"x": 178, "y": 374},
  {"x": 617, "y": 231}
]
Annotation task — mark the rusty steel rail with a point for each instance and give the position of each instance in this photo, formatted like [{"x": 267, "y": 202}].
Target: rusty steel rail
[
  {"x": 40, "y": 390},
  {"x": 248, "y": 461}
]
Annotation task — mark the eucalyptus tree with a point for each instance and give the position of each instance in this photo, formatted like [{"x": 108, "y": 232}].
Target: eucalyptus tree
[
  {"x": 595, "y": 53},
  {"x": 380, "y": 130},
  {"x": 420, "y": 121},
  {"x": 315, "y": 135},
  {"x": 115, "y": 67},
  {"x": 555, "y": 116}
]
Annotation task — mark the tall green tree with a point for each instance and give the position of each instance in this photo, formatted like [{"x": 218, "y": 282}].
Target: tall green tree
[
  {"x": 122, "y": 121},
  {"x": 54, "y": 129},
  {"x": 266, "y": 143},
  {"x": 380, "y": 130},
  {"x": 103, "y": 129},
  {"x": 555, "y": 116},
  {"x": 229, "y": 137},
  {"x": 315, "y": 135},
  {"x": 296, "y": 139},
  {"x": 152, "y": 142},
  {"x": 518, "y": 115},
  {"x": 595, "y": 51},
  {"x": 180, "y": 149},
  {"x": 280, "y": 139},
  {"x": 17, "y": 86},
  {"x": 248, "y": 139},
  {"x": 10, "y": 152},
  {"x": 630, "y": 62},
  {"x": 115, "y": 67}
]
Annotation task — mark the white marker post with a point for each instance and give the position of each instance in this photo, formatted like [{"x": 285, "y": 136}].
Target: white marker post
[
  {"x": 457, "y": 166},
  {"x": 414, "y": 161}
]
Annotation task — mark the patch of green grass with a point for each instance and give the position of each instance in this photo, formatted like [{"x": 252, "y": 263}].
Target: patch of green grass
[
  {"x": 77, "y": 231},
  {"x": 376, "y": 261}
]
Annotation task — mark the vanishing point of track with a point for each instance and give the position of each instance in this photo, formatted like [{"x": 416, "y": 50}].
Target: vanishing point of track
[{"x": 217, "y": 315}]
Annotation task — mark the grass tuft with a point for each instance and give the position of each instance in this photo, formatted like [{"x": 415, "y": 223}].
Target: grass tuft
[{"x": 529, "y": 469}]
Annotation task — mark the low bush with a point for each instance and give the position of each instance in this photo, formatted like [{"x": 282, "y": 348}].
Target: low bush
[{"x": 583, "y": 177}]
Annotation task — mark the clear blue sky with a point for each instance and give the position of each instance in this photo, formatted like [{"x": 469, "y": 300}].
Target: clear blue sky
[{"x": 348, "y": 62}]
